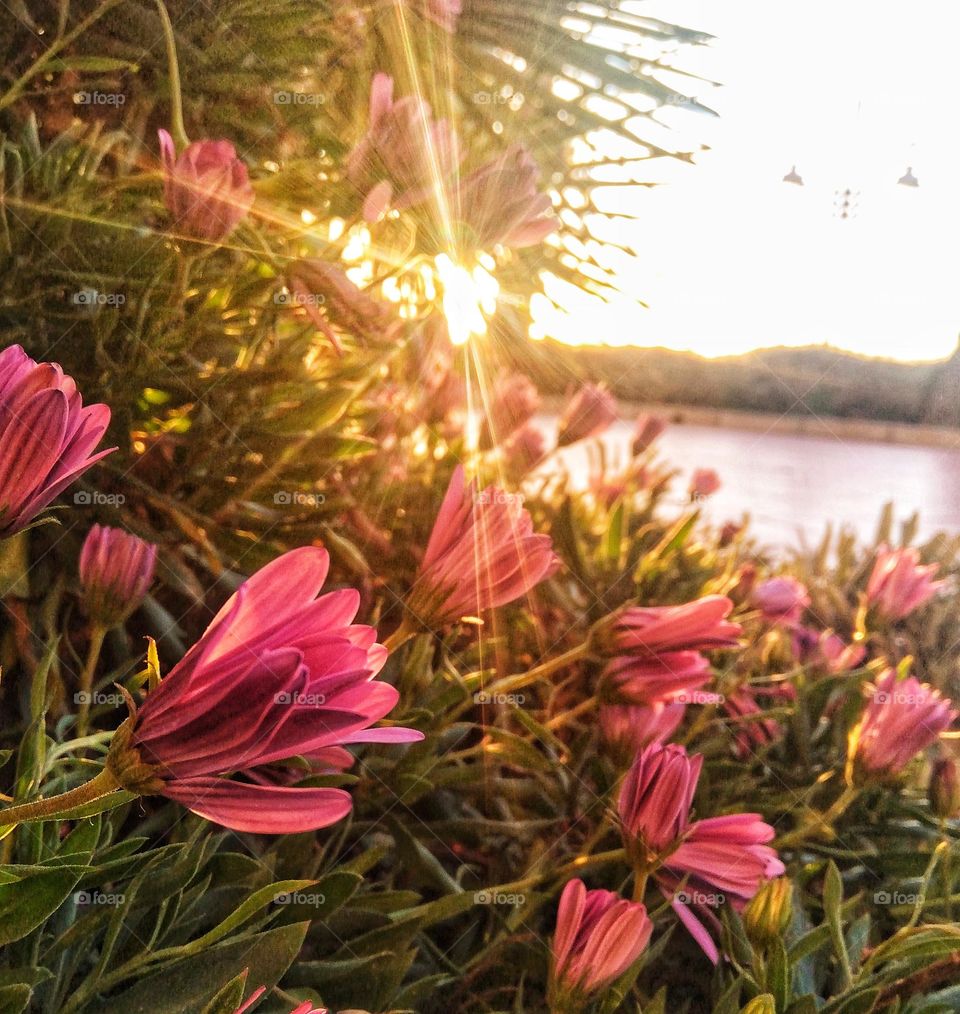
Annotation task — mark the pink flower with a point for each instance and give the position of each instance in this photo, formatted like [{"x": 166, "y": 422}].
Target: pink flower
[
  {"x": 405, "y": 156},
  {"x": 500, "y": 203},
  {"x": 901, "y": 719},
  {"x": 482, "y": 553},
  {"x": 720, "y": 858},
  {"x": 599, "y": 936},
  {"x": 654, "y": 802},
  {"x": 116, "y": 570},
  {"x": 278, "y": 673},
  {"x": 641, "y": 679},
  {"x": 646, "y": 429},
  {"x": 781, "y": 599},
  {"x": 825, "y": 649},
  {"x": 515, "y": 400},
  {"x": 523, "y": 450},
  {"x": 331, "y": 300},
  {"x": 206, "y": 188},
  {"x": 838, "y": 655},
  {"x": 700, "y": 625},
  {"x": 750, "y": 731},
  {"x": 626, "y": 729},
  {"x": 899, "y": 584},
  {"x": 46, "y": 436},
  {"x": 589, "y": 412},
  {"x": 703, "y": 483},
  {"x": 712, "y": 858}
]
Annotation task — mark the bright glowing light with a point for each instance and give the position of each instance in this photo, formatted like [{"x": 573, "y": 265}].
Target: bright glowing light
[
  {"x": 730, "y": 257},
  {"x": 469, "y": 298},
  {"x": 358, "y": 244}
]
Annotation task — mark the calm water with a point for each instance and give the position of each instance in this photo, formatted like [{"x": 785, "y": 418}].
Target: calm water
[{"x": 793, "y": 485}]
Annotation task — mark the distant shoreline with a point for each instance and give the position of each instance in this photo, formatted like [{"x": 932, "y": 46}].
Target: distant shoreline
[{"x": 872, "y": 430}]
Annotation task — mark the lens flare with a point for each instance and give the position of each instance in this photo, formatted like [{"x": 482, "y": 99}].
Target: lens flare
[{"x": 469, "y": 298}]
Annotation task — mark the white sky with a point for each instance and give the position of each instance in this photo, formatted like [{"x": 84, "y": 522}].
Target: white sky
[{"x": 733, "y": 258}]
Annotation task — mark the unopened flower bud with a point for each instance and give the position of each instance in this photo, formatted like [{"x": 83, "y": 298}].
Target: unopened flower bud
[
  {"x": 768, "y": 912},
  {"x": 944, "y": 789},
  {"x": 763, "y": 1004}
]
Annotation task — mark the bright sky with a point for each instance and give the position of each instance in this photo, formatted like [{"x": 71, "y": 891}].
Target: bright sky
[{"x": 732, "y": 258}]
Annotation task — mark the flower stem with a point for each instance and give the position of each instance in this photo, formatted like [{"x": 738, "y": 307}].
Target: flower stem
[
  {"x": 946, "y": 870},
  {"x": 639, "y": 886},
  {"x": 97, "y": 634},
  {"x": 54, "y": 807},
  {"x": 567, "y": 716},
  {"x": 400, "y": 636},
  {"x": 819, "y": 824},
  {"x": 542, "y": 671},
  {"x": 173, "y": 65}
]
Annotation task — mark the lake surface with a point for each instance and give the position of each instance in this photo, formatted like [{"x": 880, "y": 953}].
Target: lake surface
[{"x": 793, "y": 485}]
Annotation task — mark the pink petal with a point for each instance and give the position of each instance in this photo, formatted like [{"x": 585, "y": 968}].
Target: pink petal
[{"x": 260, "y": 809}]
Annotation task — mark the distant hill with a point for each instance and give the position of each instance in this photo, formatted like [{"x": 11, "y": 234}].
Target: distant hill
[{"x": 814, "y": 380}]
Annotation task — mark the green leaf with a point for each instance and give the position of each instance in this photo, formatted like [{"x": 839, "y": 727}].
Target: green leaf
[
  {"x": 30, "y": 902},
  {"x": 230, "y": 997},
  {"x": 859, "y": 1002},
  {"x": 186, "y": 986},
  {"x": 14, "y": 999},
  {"x": 832, "y": 900},
  {"x": 778, "y": 974},
  {"x": 246, "y": 911}
]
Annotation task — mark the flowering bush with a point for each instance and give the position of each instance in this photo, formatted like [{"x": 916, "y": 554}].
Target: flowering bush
[{"x": 325, "y": 685}]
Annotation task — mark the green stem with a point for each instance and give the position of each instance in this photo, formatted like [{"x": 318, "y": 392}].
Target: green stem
[
  {"x": 542, "y": 671},
  {"x": 570, "y": 714},
  {"x": 946, "y": 871},
  {"x": 640, "y": 886},
  {"x": 54, "y": 807},
  {"x": 16, "y": 89},
  {"x": 819, "y": 824},
  {"x": 176, "y": 96},
  {"x": 400, "y": 636},
  {"x": 97, "y": 634}
]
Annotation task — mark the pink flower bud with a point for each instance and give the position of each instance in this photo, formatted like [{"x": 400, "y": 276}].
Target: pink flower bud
[
  {"x": 781, "y": 600},
  {"x": 523, "y": 450},
  {"x": 626, "y": 729},
  {"x": 482, "y": 553},
  {"x": 116, "y": 571},
  {"x": 654, "y": 802},
  {"x": 589, "y": 412},
  {"x": 647, "y": 428},
  {"x": 599, "y": 936},
  {"x": 331, "y": 300},
  {"x": 500, "y": 203},
  {"x": 205, "y": 188},
  {"x": 899, "y": 584},
  {"x": 700, "y": 625},
  {"x": 944, "y": 790},
  {"x": 703, "y": 483}
]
